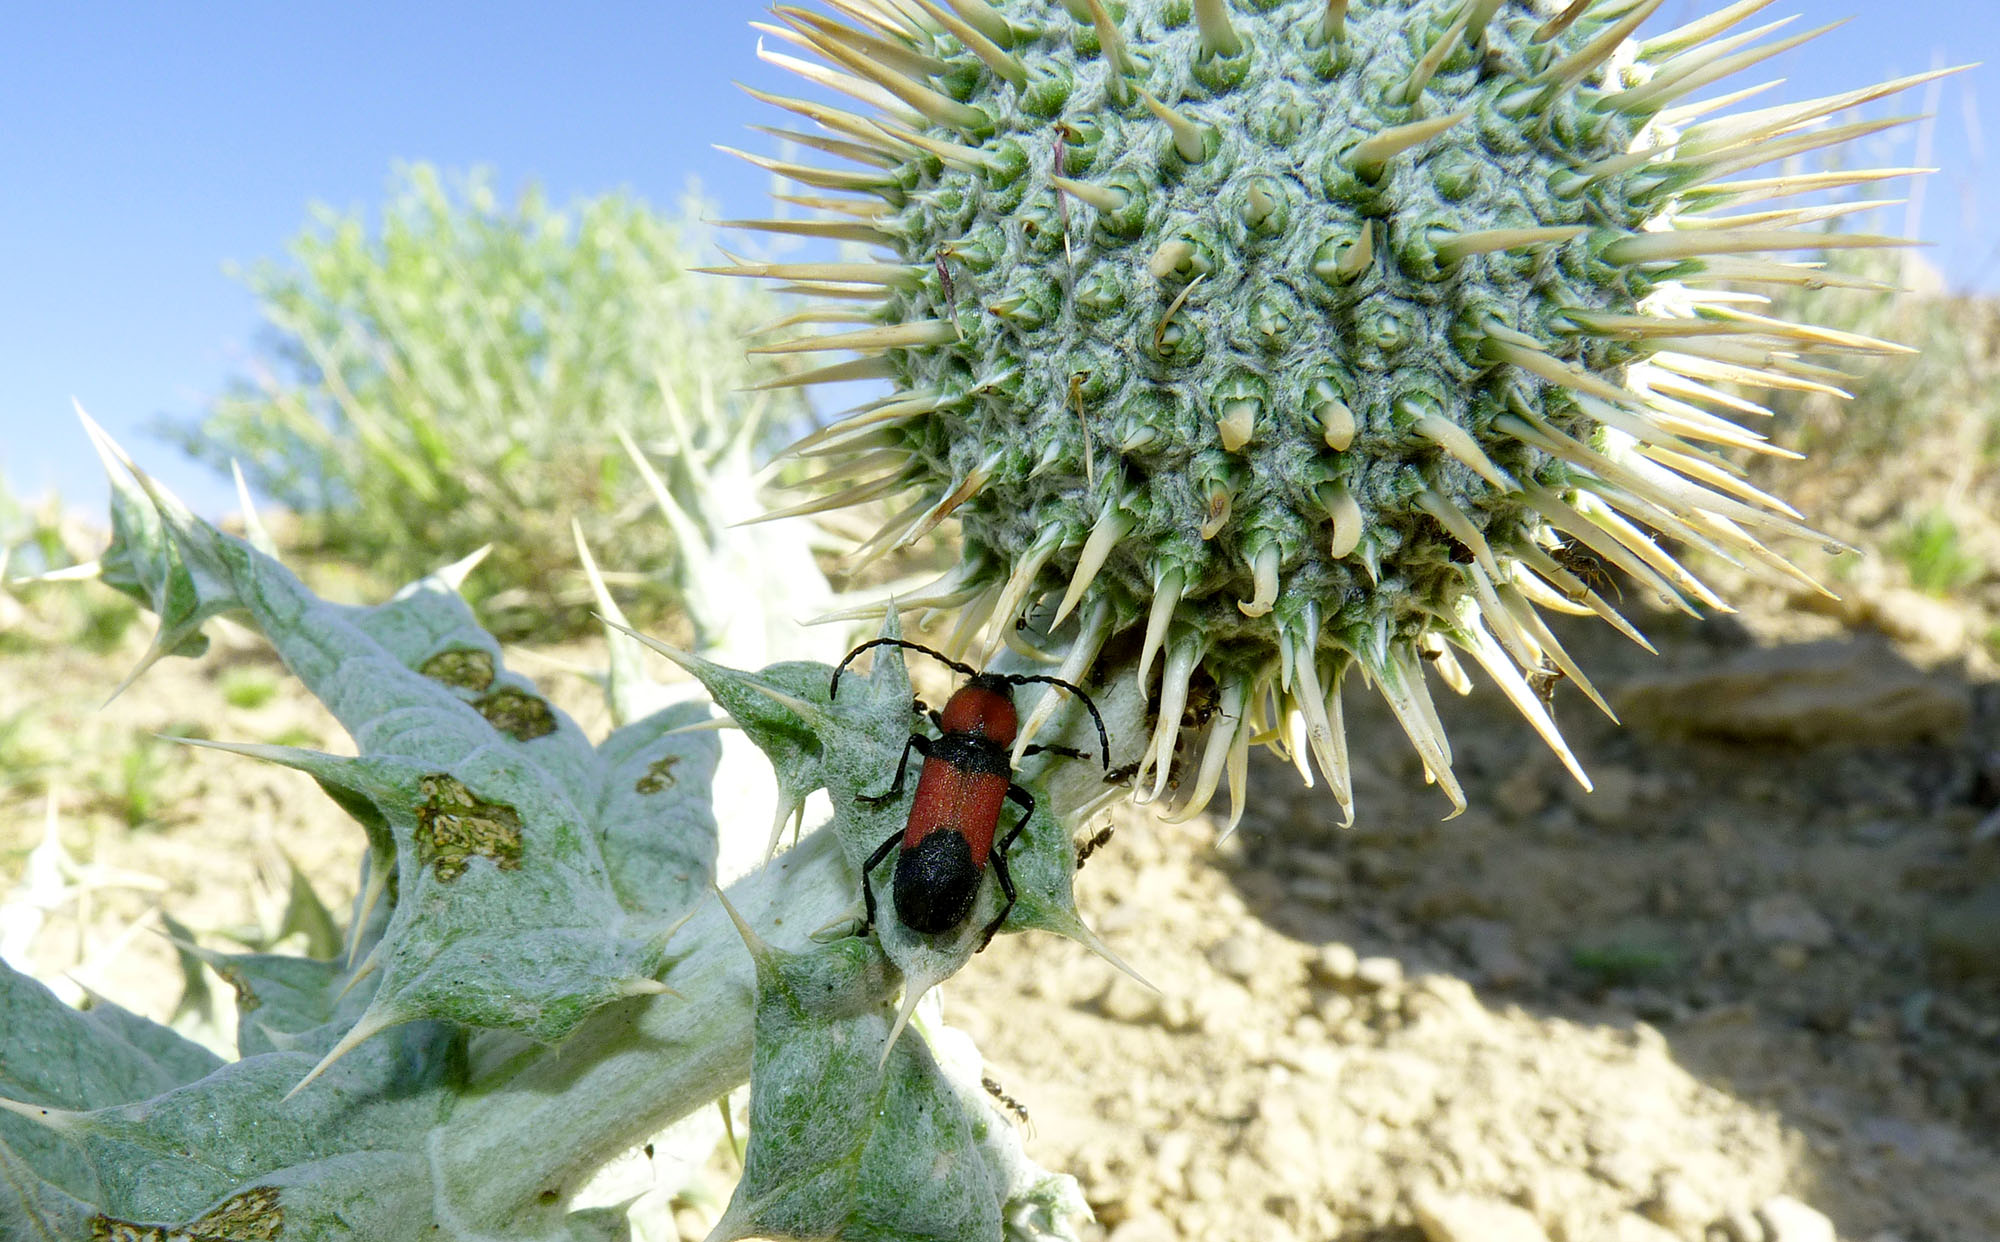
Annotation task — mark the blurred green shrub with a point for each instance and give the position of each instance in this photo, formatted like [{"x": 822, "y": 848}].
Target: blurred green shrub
[
  {"x": 1946, "y": 389},
  {"x": 1933, "y": 551},
  {"x": 1911, "y": 465},
  {"x": 38, "y": 540},
  {"x": 458, "y": 378}
]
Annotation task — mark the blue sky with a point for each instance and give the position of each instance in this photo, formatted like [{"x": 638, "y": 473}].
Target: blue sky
[{"x": 144, "y": 147}]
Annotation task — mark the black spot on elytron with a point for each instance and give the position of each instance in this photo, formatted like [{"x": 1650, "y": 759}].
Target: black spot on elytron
[
  {"x": 467, "y": 668},
  {"x": 517, "y": 713},
  {"x": 454, "y": 824},
  {"x": 660, "y": 777},
  {"x": 936, "y": 883}
]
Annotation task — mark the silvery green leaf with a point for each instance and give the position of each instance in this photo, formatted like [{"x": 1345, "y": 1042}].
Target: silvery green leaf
[
  {"x": 197, "y": 1001},
  {"x": 654, "y": 816},
  {"x": 1040, "y": 1206},
  {"x": 147, "y": 564},
  {"x": 306, "y": 915},
  {"x": 504, "y": 909},
  {"x": 358, "y": 1195},
  {"x": 32, "y": 1208},
  {"x": 87, "y": 1059},
  {"x": 57, "y": 1057},
  {"x": 781, "y": 708},
  {"x": 170, "y": 1156},
  {"x": 280, "y": 998},
  {"x": 843, "y": 1142}
]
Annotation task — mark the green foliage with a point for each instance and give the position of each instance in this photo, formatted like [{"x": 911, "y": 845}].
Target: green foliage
[
  {"x": 25, "y": 750},
  {"x": 248, "y": 688},
  {"x": 136, "y": 789},
  {"x": 37, "y": 540},
  {"x": 455, "y": 377},
  {"x": 1626, "y": 957},
  {"x": 1932, "y": 549},
  {"x": 1951, "y": 389},
  {"x": 34, "y": 539},
  {"x": 105, "y": 622},
  {"x": 1919, "y": 430}
]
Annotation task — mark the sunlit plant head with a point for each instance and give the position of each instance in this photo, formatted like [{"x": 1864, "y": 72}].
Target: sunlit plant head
[{"x": 1259, "y": 343}]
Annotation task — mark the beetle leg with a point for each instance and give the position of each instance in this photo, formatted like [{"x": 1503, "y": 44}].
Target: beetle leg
[
  {"x": 1067, "y": 752},
  {"x": 999, "y": 860},
  {"x": 867, "y": 893},
  {"x": 919, "y": 743}
]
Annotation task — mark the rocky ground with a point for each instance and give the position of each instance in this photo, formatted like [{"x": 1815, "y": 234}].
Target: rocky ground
[{"x": 1748, "y": 991}]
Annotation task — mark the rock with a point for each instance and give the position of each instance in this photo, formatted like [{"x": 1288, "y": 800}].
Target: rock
[
  {"x": 1738, "y": 1225},
  {"x": 1788, "y": 1220},
  {"x": 1144, "y": 1227},
  {"x": 1238, "y": 957},
  {"x": 1206, "y": 1184},
  {"x": 1523, "y": 794},
  {"x": 1875, "y": 831},
  {"x": 1471, "y": 1218},
  {"x": 1281, "y": 1144},
  {"x": 1988, "y": 828},
  {"x": 1378, "y": 974},
  {"x": 1334, "y": 1009},
  {"x": 1126, "y": 1001},
  {"x": 1314, "y": 1060},
  {"x": 1631, "y": 1227},
  {"x": 1677, "y": 1205},
  {"x": 1335, "y": 963},
  {"x": 1837, "y": 691},
  {"x": 1489, "y": 945},
  {"x": 1315, "y": 890},
  {"x": 1442, "y": 997},
  {"x": 1935, "y": 625},
  {"x": 1613, "y": 792},
  {"x": 1171, "y": 1153},
  {"x": 1788, "y": 919},
  {"x": 1790, "y": 958},
  {"x": 1963, "y": 937}
]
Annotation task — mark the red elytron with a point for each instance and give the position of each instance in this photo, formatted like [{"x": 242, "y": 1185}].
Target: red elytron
[{"x": 949, "y": 839}]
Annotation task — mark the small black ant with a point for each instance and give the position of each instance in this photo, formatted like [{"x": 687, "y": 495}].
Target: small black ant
[
  {"x": 1587, "y": 567},
  {"x": 1006, "y": 1101},
  {"x": 1094, "y": 843}
]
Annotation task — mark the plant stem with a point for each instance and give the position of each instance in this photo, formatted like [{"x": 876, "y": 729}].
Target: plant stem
[{"x": 529, "y": 1133}]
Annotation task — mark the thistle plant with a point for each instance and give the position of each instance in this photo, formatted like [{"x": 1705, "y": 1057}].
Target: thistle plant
[
  {"x": 1259, "y": 342},
  {"x": 538, "y": 973},
  {"x": 1270, "y": 342}
]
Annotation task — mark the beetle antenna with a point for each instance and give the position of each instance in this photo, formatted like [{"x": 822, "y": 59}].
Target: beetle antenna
[
  {"x": 1103, "y": 738},
  {"x": 833, "y": 689}
]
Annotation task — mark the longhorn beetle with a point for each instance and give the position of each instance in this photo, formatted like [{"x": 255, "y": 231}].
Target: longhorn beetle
[{"x": 955, "y": 814}]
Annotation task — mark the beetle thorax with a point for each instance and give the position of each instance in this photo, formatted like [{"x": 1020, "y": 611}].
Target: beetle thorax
[{"x": 983, "y": 707}]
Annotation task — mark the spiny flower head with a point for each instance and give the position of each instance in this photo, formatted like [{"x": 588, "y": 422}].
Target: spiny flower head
[{"x": 1300, "y": 338}]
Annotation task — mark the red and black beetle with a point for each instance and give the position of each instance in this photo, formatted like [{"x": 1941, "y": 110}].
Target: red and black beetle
[{"x": 955, "y": 814}]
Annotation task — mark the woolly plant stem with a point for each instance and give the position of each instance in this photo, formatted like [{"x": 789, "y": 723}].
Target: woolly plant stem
[{"x": 633, "y": 1068}]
